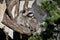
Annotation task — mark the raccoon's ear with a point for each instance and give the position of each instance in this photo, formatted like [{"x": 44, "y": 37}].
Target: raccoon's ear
[{"x": 6, "y": 11}]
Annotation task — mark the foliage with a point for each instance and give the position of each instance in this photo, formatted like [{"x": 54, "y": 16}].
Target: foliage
[
  {"x": 50, "y": 22},
  {"x": 58, "y": 1},
  {"x": 35, "y": 37},
  {"x": 49, "y": 5},
  {"x": 51, "y": 8}
]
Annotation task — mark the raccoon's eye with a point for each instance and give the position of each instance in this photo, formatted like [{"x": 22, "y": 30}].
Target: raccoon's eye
[{"x": 30, "y": 14}]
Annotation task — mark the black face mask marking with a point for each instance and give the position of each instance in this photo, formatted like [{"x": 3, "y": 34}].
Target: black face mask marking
[{"x": 30, "y": 15}]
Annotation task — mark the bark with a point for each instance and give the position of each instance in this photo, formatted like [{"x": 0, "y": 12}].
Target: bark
[{"x": 13, "y": 25}]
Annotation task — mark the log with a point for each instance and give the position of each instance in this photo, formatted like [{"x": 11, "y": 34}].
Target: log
[{"x": 14, "y": 26}]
